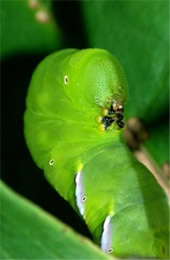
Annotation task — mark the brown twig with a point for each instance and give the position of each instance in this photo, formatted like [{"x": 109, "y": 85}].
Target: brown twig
[
  {"x": 145, "y": 158},
  {"x": 135, "y": 133}
]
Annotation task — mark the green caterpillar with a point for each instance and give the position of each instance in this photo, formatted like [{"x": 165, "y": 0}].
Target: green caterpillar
[{"x": 73, "y": 127}]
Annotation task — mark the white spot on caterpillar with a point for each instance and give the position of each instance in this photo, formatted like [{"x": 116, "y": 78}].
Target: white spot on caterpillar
[
  {"x": 79, "y": 192},
  {"x": 106, "y": 239},
  {"x": 110, "y": 250},
  {"x": 65, "y": 79},
  {"x": 84, "y": 199},
  {"x": 51, "y": 162}
]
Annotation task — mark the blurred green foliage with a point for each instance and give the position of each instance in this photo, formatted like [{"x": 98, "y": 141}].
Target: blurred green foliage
[
  {"x": 136, "y": 32},
  {"x": 28, "y": 27},
  {"x": 39, "y": 235}
]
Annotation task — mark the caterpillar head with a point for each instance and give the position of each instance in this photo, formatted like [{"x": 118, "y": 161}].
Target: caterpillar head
[{"x": 94, "y": 77}]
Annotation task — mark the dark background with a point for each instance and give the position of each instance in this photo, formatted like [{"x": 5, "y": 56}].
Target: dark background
[{"x": 18, "y": 169}]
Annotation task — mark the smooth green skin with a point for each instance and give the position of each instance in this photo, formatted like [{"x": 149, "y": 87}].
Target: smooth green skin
[
  {"x": 60, "y": 124},
  {"x": 28, "y": 232}
]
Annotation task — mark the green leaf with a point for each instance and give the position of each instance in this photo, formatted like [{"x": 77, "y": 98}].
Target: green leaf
[
  {"x": 158, "y": 143},
  {"x": 28, "y": 26},
  {"x": 136, "y": 32},
  {"x": 28, "y": 232}
]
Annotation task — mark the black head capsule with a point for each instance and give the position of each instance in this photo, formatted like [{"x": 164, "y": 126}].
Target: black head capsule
[
  {"x": 108, "y": 123},
  {"x": 119, "y": 115},
  {"x": 120, "y": 123},
  {"x": 111, "y": 111},
  {"x": 106, "y": 119}
]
